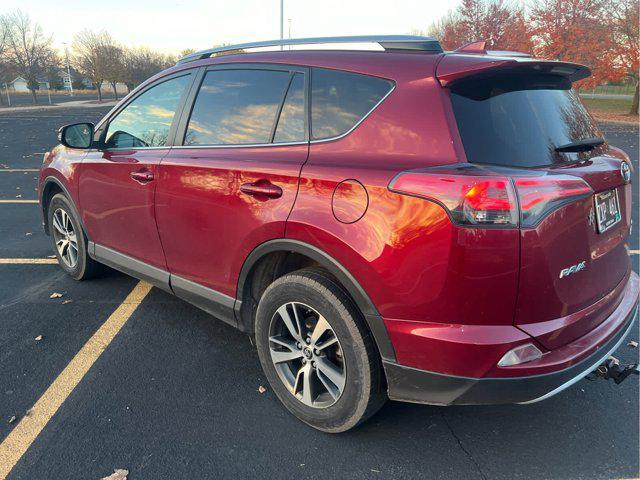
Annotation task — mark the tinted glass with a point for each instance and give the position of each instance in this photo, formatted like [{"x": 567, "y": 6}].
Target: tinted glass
[
  {"x": 521, "y": 123},
  {"x": 291, "y": 123},
  {"x": 236, "y": 107},
  {"x": 146, "y": 121},
  {"x": 339, "y": 100}
]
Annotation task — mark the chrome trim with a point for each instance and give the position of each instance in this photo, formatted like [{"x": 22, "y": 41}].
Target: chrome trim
[
  {"x": 121, "y": 149},
  {"x": 388, "y": 42},
  {"x": 579, "y": 377},
  {"x": 246, "y": 145},
  {"x": 338, "y": 137}
]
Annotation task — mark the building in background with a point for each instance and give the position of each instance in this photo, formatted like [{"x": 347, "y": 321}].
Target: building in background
[{"x": 20, "y": 84}]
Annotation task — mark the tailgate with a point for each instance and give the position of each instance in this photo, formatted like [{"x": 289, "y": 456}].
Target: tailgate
[{"x": 573, "y": 269}]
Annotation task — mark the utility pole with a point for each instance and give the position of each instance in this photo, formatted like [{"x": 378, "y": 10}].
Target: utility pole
[
  {"x": 66, "y": 54},
  {"x": 281, "y": 22},
  {"x": 6, "y": 86},
  {"x": 289, "y": 20}
]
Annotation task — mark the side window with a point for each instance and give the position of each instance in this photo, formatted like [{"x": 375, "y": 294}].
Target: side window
[
  {"x": 291, "y": 122},
  {"x": 146, "y": 121},
  {"x": 236, "y": 107},
  {"x": 339, "y": 100}
]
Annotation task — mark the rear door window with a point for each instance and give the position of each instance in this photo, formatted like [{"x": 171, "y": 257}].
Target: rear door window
[
  {"x": 291, "y": 122},
  {"x": 521, "y": 122},
  {"x": 237, "y": 107},
  {"x": 339, "y": 100}
]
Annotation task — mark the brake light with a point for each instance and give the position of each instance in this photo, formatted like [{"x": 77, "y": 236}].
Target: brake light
[
  {"x": 470, "y": 200},
  {"x": 538, "y": 196}
]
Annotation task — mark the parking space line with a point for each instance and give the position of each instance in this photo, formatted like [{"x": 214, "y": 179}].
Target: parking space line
[
  {"x": 16, "y": 261},
  {"x": 25, "y": 433},
  {"x": 18, "y": 201},
  {"x": 634, "y": 252},
  {"x": 14, "y": 170}
]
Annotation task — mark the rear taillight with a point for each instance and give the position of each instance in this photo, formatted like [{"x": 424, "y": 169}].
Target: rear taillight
[
  {"x": 473, "y": 200},
  {"x": 470, "y": 200},
  {"x": 538, "y": 196}
]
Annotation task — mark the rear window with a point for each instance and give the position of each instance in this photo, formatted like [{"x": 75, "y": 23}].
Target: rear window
[
  {"x": 339, "y": 100},
  {"x": 521, "y": 121}
]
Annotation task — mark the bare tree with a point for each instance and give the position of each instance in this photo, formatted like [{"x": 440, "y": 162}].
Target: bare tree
[
  {"x": 30, "y": 51},
  {"x": 4, "y": 64},
  {"x": 114, "y": 69},
  {"x": 91, "y": 56},
  {"x": 142, "y": 63}
]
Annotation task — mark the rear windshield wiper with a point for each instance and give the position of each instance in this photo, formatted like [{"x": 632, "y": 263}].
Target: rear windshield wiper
[{"x": 583, "y": 145}]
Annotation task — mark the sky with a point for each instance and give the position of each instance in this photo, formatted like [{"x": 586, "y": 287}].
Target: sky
[{"x": 173, "y": 25}]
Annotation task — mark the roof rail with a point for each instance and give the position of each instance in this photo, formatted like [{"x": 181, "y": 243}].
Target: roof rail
[{"x": 388, "y": 42}]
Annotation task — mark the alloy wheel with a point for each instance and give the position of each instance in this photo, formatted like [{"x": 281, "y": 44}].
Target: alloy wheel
[
  {"x": 307, "y": 355},
  {"x": 65, "y": 238}
]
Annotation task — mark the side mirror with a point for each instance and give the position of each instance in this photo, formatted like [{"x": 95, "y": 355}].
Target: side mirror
[{"x": 77, "y": 135}]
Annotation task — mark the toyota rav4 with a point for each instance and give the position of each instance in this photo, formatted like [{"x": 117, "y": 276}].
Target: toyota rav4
[{"x": 434, "y": 227}]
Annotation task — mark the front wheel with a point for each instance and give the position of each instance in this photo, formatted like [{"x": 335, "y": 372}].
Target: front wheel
[
  {"x": 316, "y": 352},
  {"x": 69, "y": 240}
]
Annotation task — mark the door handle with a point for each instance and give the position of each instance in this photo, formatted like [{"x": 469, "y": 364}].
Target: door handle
[
  {"x": 143, "y": 176},
  {"x": 261, "y": 188}
]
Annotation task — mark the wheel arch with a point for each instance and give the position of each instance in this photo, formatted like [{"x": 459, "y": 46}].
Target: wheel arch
[
  {"x": 268, "y": 254},
  {"x": 50, "y": 187}
]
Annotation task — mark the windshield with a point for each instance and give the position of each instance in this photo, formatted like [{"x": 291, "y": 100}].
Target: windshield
[{"x": 521, "y": 122}]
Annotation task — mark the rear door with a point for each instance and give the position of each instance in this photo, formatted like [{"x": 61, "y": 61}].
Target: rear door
[
  {"x": 575, "y": 204},
  {"x": 232, "y": 179},
  {"x": 118, "y": 181}
]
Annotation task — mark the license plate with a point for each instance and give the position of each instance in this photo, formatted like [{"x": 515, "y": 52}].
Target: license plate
[{"x": 607, "y": 210}]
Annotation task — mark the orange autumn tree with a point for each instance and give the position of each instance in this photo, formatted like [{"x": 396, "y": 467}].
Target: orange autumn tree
[
  {"x": 576, "y": 31},
  {"x": 626, "y": 42},
  {"x": 501, "y": 24}
]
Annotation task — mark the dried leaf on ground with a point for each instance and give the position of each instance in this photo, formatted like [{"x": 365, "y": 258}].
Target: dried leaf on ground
[
  {"x": 118, "y": 474},
  {"x": 633, "y": 344},
  {"x": 66, "y": 301},
  {"x": 12, "y": 419},
  {"x": 261, "y": 389},
  {"x": 55, "y": 295},
  {"x": 38, "y": 338}
]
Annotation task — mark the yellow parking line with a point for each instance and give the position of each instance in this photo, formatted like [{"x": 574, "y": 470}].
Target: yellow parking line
[
  {"x": 28, "y": 261},
  {"x": 14, "y": 170},
  {"x": 18, "y": 201},
  {"x": 24, "y": 434},
  {"x": 634, "y": 252}
]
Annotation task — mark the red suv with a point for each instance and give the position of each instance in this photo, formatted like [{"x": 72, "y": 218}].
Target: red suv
[{"x": 426, "y": 226}]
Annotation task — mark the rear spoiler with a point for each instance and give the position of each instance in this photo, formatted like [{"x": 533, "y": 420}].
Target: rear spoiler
[{"x": 474, "y": 61}]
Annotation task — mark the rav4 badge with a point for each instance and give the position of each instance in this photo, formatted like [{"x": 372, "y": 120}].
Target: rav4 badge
[{"x": 573, "y": 269}]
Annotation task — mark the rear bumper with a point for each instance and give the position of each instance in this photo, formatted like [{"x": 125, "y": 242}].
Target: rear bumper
[{"x": 421, "y": 386}]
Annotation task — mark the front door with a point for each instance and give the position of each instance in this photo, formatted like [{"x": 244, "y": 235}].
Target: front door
[
  {"x": 231, "y": 184},
  {"x": 118, "y": 181}
]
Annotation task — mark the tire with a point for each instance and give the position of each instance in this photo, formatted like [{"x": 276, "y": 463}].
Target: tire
[
  {"x": 62, "y": 217},
  {"x": 344, "y": 356}
]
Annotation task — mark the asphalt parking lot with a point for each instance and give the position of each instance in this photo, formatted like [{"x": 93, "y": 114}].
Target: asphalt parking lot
[{"x": 175, "y": 393}]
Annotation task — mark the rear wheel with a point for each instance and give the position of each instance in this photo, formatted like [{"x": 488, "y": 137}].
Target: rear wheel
[
  {"x": 69, "y": 240},
  {"x": 317, "y": 353}
]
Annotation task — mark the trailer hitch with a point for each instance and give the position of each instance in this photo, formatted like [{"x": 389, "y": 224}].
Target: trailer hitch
[{"x": 611, "y": 369}]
